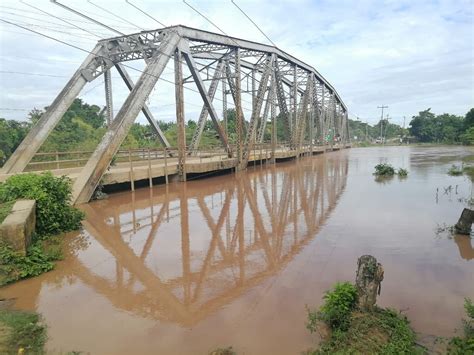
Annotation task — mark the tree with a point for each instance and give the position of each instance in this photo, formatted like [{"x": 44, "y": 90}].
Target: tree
[{"x": 469, "y": 119}]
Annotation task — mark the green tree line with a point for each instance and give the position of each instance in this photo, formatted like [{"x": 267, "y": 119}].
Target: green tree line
[
  {"x": 83, "y": 126},
  {"x": 424, "y": 127}
]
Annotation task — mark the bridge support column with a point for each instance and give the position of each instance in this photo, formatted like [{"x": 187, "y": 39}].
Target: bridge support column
[
  {"x": 108, "y": 96},
  {"x": 271, "y": 97},
  {"x": 178, "y": 85},
  {"x": 92, "y": 172},
  {"x": 238, "y": 109}
]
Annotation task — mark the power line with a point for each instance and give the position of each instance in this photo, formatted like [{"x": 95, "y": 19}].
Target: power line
[
  {"x": 243, "y": 12},
  {"x": 89, "y": 52},
  {"x": 146, "y": 14},
  {"x": 117, "y": 16},
  {"x": 35, "y": 74}
]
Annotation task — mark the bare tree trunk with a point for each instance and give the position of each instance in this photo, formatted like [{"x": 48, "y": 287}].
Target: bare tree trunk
[{"x": 368, "y": 281}]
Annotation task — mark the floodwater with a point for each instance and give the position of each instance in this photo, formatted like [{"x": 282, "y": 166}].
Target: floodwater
[{"x": 233, "y": 260}]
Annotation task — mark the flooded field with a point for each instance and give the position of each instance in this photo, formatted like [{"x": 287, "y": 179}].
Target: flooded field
[{"x": 232, "y": 260}]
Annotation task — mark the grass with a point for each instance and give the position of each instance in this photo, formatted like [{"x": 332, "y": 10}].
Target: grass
[
  {"x": 40, "y": 258},
  {"x": 5, "y": 209},
  {"x": 382, "y": 331},
  {"x": 21, "y": 330}
]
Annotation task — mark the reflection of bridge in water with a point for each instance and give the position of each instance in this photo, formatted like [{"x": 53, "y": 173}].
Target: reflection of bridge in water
[{"x": 205, "y": 244}]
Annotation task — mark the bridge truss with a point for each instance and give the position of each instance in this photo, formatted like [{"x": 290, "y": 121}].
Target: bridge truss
[{"x": 283, "y": 89}]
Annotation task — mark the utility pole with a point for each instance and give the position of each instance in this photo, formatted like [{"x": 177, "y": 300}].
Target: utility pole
[
  {"x": 381, "y": 120},
  {"x": 367, "y": 131},
  {"x": 386, "y": 127}
]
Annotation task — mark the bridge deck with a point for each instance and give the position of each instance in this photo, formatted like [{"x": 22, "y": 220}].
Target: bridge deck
[{"x": 159, "y": 167}]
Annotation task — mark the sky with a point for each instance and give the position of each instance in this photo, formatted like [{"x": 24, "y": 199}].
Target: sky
[{"x": 407, "y": 55}]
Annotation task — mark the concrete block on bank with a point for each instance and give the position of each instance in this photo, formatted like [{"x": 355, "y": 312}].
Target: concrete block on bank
[{"x": 19, "y": 226}]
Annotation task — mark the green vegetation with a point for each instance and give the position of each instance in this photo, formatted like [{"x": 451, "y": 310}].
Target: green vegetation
[
  {"x": 445, "y": 128},
  {"x": 21, "y": 332},
  {"x": 5, "y": 209},
  {"x": 337, "y": 308},
  {"x": 366, "y": 133},
  {"x": 382, "y": 331},
  {"x": 39, "y": 258},
  {"x": 426, "y": 127},
  {"x": 384, "y": 170},
  {"x": 54, "y": 213},
  {"x": 402, "y": 172},
  {"x": 465, "y": 344},
  {"x": 223, "y": 351},
  {"x": 455, "y": 170}
]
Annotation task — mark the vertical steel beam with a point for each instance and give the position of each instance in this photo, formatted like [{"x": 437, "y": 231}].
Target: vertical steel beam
[
  {"x": 146, "y": 111},
  {"x": 295, "y": 100},
  {"x": 91, "y": 174},
  {"x": 178, "y": 85},
  {"x": 204, "y": 112},
  {"x": 233, "y": 90},
  {"x": 50, "y": 118},
  {"x": 263, "y": 121},
  {"x": 311, "y": 114},
  {"x": 284, "y": 112},
  {"x": 224, "y": 102},
  {"x": 348, "y": 136},
  {"x": 323, "y": 114},
  {"x": 273, "y": 115},
  {"x": 108, "y": 96},
  {"x": 303, "y": 112},
  {"x": 238, "y": 108},
  {"x": 205, "y": 97}
]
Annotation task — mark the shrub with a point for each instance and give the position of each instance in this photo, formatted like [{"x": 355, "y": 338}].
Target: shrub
[
  {"x": 464, "y": 345},
  {"x": 54, "y": 213},
  {"x": 402, "y": 172},
  {"x": 384, "y": 170},
  {"x": 337, "y": 308},
  {"x": 40, "y": 258},
  {"x": 455, "y": 171}
]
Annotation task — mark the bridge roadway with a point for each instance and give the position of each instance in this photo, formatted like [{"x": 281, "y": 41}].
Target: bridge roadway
[{"x": 148, "y": 169}]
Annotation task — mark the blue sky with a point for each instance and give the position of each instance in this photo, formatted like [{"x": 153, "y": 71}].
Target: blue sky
[{"x": 409, "y": 55}]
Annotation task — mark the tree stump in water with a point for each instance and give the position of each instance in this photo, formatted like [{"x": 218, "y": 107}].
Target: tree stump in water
[
  {"x": 465, "y": 222},
  {"x": 368, "y": 281}
]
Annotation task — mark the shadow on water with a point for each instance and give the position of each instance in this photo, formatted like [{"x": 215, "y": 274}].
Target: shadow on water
[{"x": 466, "y": 249}]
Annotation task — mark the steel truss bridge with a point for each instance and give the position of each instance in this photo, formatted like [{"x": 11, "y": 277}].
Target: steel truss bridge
[{"x": 283, "y": 89}]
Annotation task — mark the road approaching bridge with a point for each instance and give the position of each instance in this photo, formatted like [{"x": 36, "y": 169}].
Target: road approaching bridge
[{"x": 309, "y": 108}]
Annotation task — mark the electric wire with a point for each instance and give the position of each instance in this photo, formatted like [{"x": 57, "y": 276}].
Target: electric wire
[
  {"x": 86, "y": 51},
  {"x": 243, "y": 12},
  {"x": 117, "y": 16}
]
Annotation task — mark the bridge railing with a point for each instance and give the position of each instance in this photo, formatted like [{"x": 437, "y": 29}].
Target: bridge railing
[{"x": 58, "y": 160}]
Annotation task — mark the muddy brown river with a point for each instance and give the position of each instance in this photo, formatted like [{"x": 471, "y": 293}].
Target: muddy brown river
[{"x": 232, "y": 260}]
